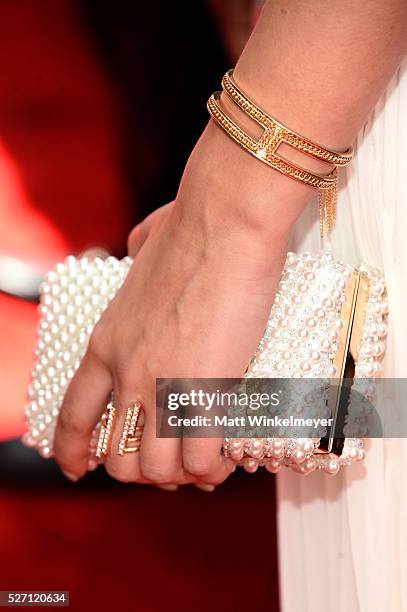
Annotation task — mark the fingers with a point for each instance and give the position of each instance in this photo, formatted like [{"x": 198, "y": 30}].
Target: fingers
[
  {"x": 166, "y": 462},
  {"x": 202, "y": 459},
  {"x": 84, "y": 403},
  {"x": 124, "y": 468},
  {"x": 208, "y": 488},
  {"x": 161, "y": 458},
  {"x": 169, "y": 487},
  {"x": 158, "y": 462}
]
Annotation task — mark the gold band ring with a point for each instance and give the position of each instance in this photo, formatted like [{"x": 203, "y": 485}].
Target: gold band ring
[
  {"x": 129, "y": 441},
  {"x": 106, "y": 426}
]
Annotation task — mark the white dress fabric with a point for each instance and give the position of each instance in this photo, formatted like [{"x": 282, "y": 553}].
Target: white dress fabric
[{"x": 343, "y": 539}]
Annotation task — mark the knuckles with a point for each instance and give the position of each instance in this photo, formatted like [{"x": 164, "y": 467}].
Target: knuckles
[
  {"x": 134, "y": 240},
  {"x": 97, "y": 346},
  {"x": 197, "y": 467},
  {"x": 158, "y": 473},
  {"x": 72, "y": 426},
  {"x": 111, "y": 345}
]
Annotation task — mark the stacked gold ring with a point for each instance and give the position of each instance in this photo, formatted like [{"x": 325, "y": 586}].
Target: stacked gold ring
[{"x": 131, "y": 436}]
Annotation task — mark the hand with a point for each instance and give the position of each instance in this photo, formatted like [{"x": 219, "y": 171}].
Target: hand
[
  {"x": 197, "y": 298},
  {"x": 135, "y": 241},
  {"x": 195, "y": 304},
  {"x": 140, "y": 232}
]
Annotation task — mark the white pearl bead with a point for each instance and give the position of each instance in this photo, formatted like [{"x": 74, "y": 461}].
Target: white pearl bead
[
  {"x": 273, "y": 466},
  {"x": 332, "y": 466},
  {"x": 377, "y": 288},
  {"x": 327, "y": 303},
  {"x": 354, "y": 454},
  {"x": 236, "y": 454},
  {"x": 310, "y": 465},
  {"x": 250, "y": 465},
  {"x": 256, "y": 445},
  {"x": 277, "y": 453},
  {"x": 237, "y": 443},
  {"x": 299, "y": 343},
  {"x": 308, "y": 447},
  {"x": 331, "y": 370},
  {"x": 298, "y": 456},
  {"x": 378, "y": 349}
]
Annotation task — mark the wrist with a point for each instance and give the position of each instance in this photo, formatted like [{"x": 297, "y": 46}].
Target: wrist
[{"x": 228, "y": 190}]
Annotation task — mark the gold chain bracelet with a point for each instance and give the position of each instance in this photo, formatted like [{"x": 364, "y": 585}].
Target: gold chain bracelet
[{"x": 265, "y": 148}]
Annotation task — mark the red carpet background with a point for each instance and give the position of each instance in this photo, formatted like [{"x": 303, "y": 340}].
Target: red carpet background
[
  {"x": 64, "y": 187},
  {"x": 139, "y": 548}
]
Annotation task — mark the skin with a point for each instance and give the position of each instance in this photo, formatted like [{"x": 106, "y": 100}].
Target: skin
[{"x": 197, "y": 298}]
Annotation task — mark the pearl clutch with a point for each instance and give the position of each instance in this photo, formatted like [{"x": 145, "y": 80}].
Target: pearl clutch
[{"x": 323, "y": 309}]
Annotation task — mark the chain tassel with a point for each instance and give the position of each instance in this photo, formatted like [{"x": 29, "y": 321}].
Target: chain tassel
[
  {"x": 266, "y": 148},
  {"x": 327, "y": 209}
]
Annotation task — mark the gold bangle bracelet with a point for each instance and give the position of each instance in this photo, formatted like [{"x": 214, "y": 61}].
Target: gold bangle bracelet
[{"x": 265, "y": 148}]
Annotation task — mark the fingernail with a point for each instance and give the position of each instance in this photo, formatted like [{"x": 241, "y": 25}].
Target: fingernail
[
  {"x": 208, "y": 488},
  {"x": 92, "y": 465},
  {"x": 169, "y": 487},
  {"x": 70, "y": 476}
]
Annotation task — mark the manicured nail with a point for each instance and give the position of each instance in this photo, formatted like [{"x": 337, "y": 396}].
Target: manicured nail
[
  {"x": 92, "y": 465},
  {"x": 70, "y": 476},
  {"x": 169, "y": 487},
  {"x": 208, "y": 488}
]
